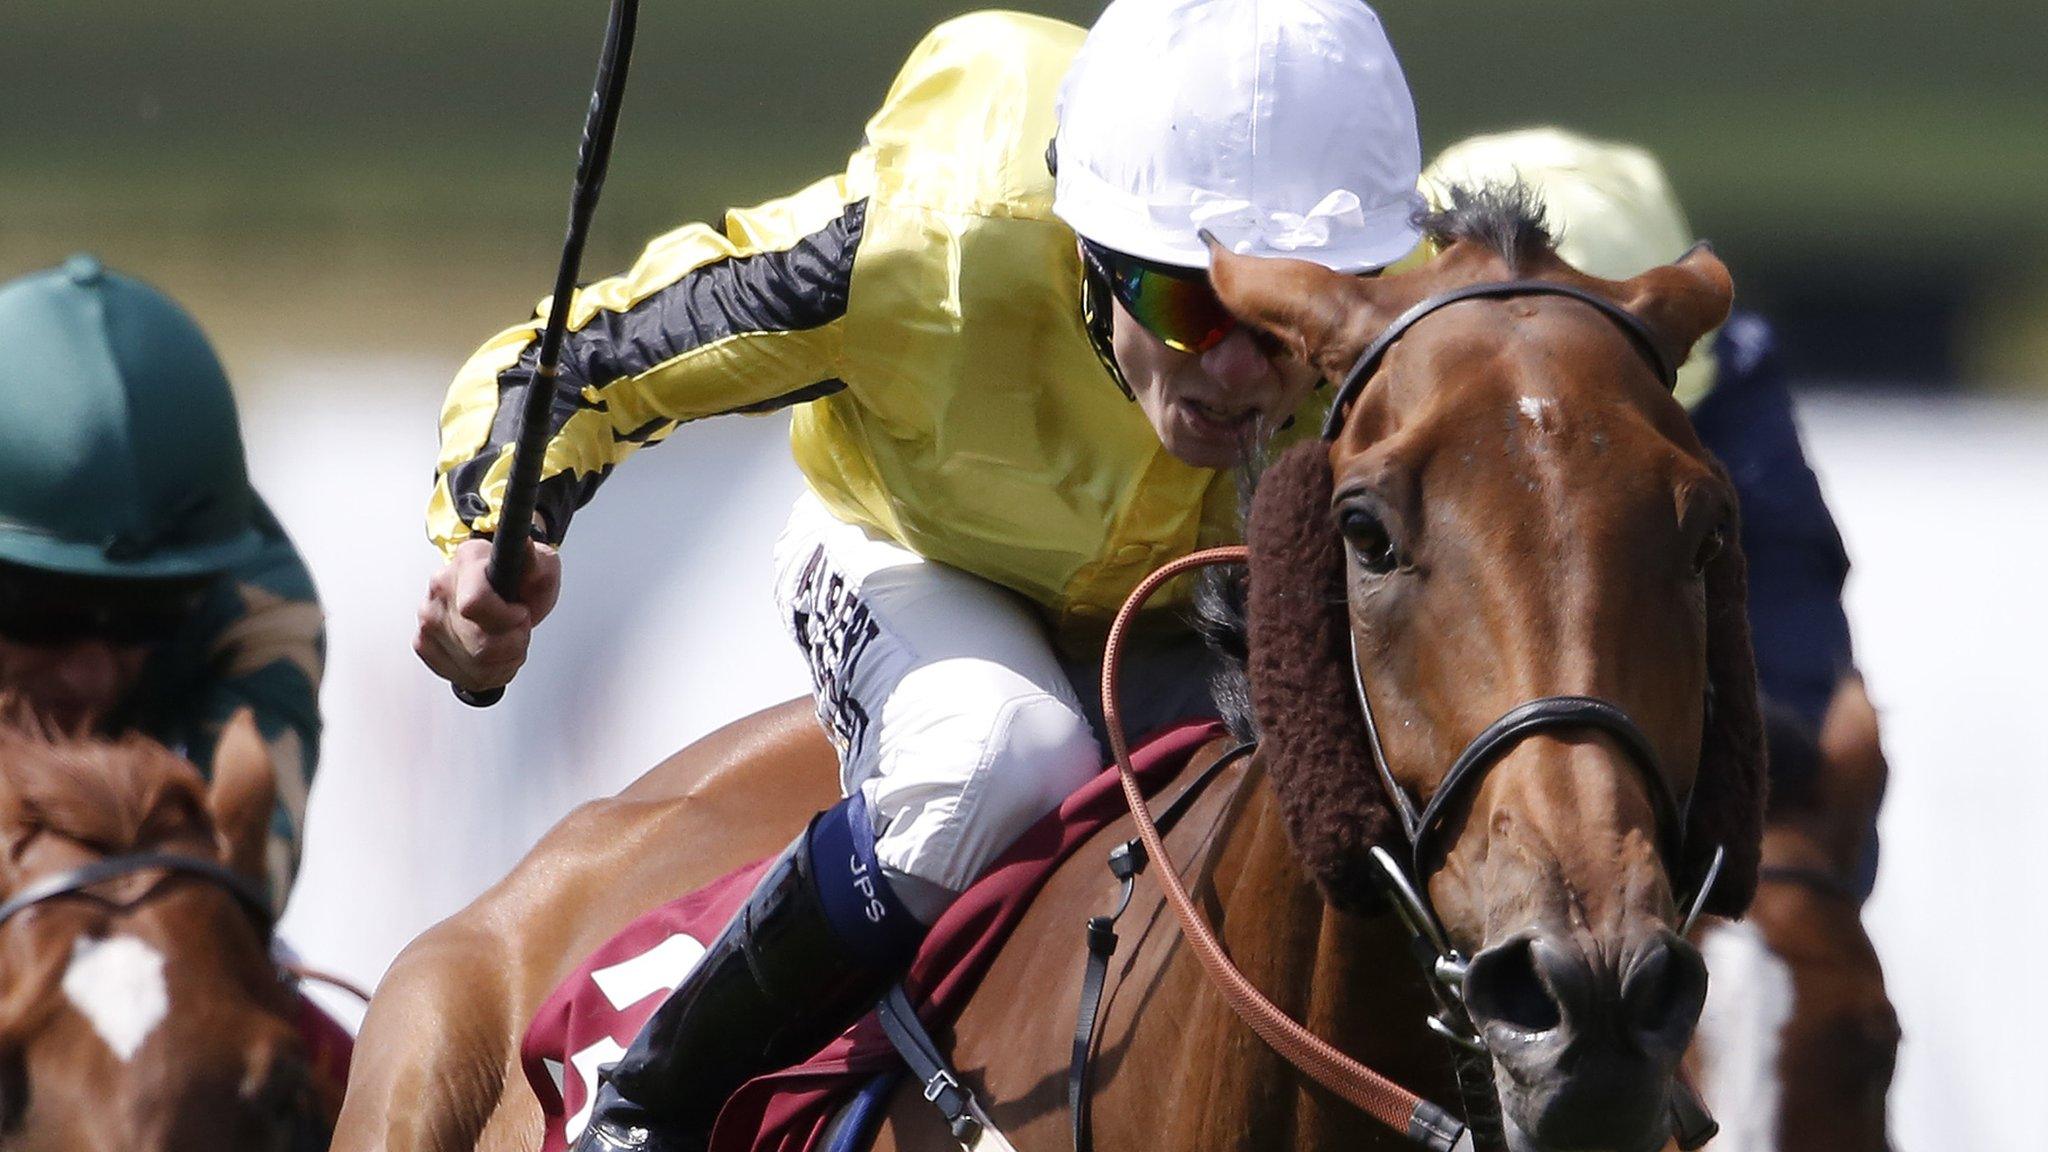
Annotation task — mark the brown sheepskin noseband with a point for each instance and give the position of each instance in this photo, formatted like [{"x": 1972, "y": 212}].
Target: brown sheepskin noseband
[
  {"x": 1298, "y": 630},
  {"x": 1729, "y": 794}
]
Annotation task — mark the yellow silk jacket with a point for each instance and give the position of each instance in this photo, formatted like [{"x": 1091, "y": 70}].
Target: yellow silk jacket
[{"x": 921, "y": 311}]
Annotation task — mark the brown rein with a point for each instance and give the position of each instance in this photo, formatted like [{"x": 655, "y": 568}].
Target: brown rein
[
  {"x": 305, "y": 974},
  {"x": 1372, "y": 1093}
]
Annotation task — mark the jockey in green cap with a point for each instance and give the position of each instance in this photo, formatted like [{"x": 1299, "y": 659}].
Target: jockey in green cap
[
  {"x": 1014, "y": 396},
  {"x": 143, "y": 585}
]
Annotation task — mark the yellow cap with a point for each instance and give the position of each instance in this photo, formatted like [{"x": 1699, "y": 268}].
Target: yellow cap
[{"x": 1609, "y": 205}]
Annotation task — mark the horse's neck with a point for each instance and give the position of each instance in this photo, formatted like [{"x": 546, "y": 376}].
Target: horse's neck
[{"x": 1350, "y": 979}]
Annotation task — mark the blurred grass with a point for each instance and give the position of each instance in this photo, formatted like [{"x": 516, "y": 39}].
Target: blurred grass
[{"x": 396, "y": 173}]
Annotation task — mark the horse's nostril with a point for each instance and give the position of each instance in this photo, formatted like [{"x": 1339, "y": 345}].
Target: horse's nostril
[
  {"x": 1502, "y": 987},
  {"x": 1664, "y": 989}
]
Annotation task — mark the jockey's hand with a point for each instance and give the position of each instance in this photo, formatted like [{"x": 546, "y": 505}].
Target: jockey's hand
[{"x": 467, "y": 633}]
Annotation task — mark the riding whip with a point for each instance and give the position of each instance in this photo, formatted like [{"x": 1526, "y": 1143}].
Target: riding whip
[{"x": 522, "y": 489}]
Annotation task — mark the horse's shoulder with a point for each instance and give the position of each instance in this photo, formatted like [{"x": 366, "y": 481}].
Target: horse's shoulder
[
  {"x": 734, "y": 796},
  {"x": 760, "y": 753}
]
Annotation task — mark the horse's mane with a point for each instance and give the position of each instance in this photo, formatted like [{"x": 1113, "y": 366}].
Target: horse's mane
[
  {"x": 115, "y": 795},
  {"x": 1220, "y": 618}
]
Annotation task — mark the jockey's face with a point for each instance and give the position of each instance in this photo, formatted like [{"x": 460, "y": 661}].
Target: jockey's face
[
  {"x": 75, "y": 685},
  {"x": 1210, "y": 407},
  {"x": 73, "y": 648}
]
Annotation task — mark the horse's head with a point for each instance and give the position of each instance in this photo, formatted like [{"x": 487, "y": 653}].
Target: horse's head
[
  {"x": 1513, "y": 508},
  {"x": 142, "y": 1012}
]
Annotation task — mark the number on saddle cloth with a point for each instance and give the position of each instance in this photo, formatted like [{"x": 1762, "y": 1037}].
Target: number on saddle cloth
[
  {"x": 597, "y": 1012},
  {"x": 588, "y": 1021}
]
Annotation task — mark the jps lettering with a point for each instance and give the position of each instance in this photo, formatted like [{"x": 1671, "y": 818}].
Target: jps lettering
[{"x": 865, "y": 882}]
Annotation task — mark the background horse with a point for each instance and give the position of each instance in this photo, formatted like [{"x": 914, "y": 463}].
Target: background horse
[
  {"x": 1516, "y": 508},
  {"x": 142, "y": 1010},
  {"x": 1798, "y": 1041}
]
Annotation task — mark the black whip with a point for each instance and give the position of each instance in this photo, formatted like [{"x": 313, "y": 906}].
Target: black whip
[{"x": 515, "y": 515}]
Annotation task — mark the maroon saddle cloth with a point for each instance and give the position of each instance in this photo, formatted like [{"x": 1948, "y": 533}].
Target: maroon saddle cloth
[
  {"x": 590, "y": 1019},
  {"x": 329, "y": 1045}
]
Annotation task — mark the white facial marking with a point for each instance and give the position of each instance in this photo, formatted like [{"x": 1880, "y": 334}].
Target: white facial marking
[
  {"x": 1749, "y": 999},
  {"x": 117, "y": 984},
  {"x": 1538, "y": 410}
]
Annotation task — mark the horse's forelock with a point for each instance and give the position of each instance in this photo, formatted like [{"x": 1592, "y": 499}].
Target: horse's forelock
[
  {"x": 1330, "y": 795},
  {"x": 118, "y": 795},
  {"x": 1506, "y": 218},
  {"x": 121, "y": 795}
]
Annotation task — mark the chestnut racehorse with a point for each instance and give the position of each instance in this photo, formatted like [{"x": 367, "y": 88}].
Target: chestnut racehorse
[
  {"x": 142, "y": 1011},
  {"x": 1512, "y": 509}
]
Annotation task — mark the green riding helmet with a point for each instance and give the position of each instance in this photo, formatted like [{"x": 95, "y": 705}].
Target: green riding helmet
[{"x": 120, "y": 451}]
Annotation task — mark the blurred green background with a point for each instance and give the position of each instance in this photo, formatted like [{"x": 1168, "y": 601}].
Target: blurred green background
[{"x": 386, "y": 177}]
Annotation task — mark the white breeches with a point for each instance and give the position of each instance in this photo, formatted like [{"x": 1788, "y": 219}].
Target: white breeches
[{"x": 942, "y": 691}]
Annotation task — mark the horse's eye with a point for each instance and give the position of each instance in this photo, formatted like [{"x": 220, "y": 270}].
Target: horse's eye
[
  {"x": 1367, "y": 535},
  {"x": 1710, "y": 547}
]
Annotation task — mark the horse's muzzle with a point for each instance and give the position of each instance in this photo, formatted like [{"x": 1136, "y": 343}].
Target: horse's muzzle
[{"x": 1585, "y": 1051}]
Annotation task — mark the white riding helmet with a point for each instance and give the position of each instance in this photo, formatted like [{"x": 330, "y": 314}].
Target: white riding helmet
[{"x": 1283, "y": 127}]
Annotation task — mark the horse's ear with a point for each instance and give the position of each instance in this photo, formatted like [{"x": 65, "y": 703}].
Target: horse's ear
[
  {"x": 1299, "y": 635},
  {"x": 242, "y": 796},
  {"x": 1681, "y": 302},
  {"x": 1325, "y": 318},
  {"x": 1728, "y": 798}
]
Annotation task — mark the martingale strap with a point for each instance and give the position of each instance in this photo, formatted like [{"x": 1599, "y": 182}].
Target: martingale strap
[
  {"x": 940, "y": 1082},
  {"x": 1126, "y": 862}
]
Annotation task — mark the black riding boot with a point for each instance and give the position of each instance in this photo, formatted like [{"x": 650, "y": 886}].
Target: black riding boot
[{"x": 788, "y": 973}]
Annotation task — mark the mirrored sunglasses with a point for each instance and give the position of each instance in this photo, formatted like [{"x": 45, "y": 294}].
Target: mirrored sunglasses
[{"x": 1173, "y": 303}]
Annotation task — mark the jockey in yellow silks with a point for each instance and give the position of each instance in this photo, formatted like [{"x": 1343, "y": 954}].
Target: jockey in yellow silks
[{"x": 1014, "y": 396}]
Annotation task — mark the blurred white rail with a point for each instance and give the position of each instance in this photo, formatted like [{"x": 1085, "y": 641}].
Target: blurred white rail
[{"x": 1945, "y": 510}]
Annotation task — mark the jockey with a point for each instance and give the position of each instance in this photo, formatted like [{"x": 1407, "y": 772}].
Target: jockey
[
  {"x": 143, "y": 585},
  {"x": 1615, "y": 215},
  {"x": 1015, "y": 396}
]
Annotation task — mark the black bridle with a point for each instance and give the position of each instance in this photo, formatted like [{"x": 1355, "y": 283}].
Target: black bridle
[
  {"x": 307, "y": 1133},
  {"x": 1425, "y": 826},
  {"x": 84, "y": 878},
  {"x": 1368, "y": 362}
]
